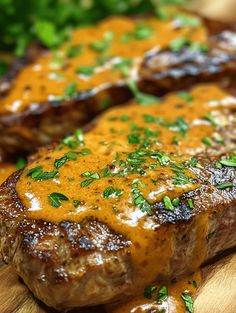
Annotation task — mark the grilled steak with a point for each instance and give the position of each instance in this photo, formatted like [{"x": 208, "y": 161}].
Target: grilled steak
[
  {"x": 53, "y": 94},
  {"x": 147, "y": 194}
]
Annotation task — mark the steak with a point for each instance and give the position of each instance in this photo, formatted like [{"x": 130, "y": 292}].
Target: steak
[
  {"x": 148, "y": 194},
  {"x": 46, "y": 96}
]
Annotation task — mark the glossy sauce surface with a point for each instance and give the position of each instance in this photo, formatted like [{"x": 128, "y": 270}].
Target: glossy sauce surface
[
  {"x": 95, "y": 57},
  {"x": 170, "y": 302},
  {"x": 135, "y": 156}
]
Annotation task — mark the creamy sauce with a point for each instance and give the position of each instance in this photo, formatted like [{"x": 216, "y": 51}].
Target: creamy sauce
[
  {"x": 173, "y": 303},
  {"x": 6, "y": 169},
  {"x": 91, "y": 58},
  {"x": 108, "y": 182}
]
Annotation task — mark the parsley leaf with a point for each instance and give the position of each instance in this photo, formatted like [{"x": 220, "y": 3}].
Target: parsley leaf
[
  {"x": 55, "y": 199},
  {"x": 188, "y": 302}
]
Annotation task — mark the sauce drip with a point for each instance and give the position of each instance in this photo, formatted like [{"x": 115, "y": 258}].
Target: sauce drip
[
  {"x": 129, "y": 161},
  {"x": 172, "y": 303},
  {"x": 93, "y": 58}
]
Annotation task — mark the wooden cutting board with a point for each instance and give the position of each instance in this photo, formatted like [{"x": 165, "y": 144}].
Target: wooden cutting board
[{"x": 216, "y": 295}]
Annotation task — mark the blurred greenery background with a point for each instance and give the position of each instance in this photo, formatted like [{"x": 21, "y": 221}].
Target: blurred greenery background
[{"x": 50, "y": 21}]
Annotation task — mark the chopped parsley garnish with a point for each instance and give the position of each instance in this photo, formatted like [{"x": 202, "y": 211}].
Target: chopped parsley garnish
[
  {"x": 111, "y": 192},
  {"x": 190, "y": 203},
  {"x": 124, "y": 66},
  {"x": 20, "y": 163},
  {"x": 109, "y": 35},
  {"x": 181, "y": 178},
  {"x": 179, "y": 125},
  {"x": 162, "y": 158},
  {"x": 149, "y": 290},
  {"x": 185, "y": 96},
  {"x": 167, "y": 203},
  {"x": 71, "y": 155},
  {"x": 104, "y": 103},
  {"x": 176, "y": 140},
  {"x": 198, "y": 46},
  {"x": 193, "y": 162},
  {"x": 178, "y": 44},
  {"x": 140, "y": 97},
  {"x": 74, "y": 141},
  {"x": 162, "y": 294},
  {"x": 124, "y": 118},
  {"x": 139, "y": 200},
  {"x": 151, "y": 119},
  {"x": 55, "y": 199},
  {"x": 231, "y": 161},
  {"x": 134, "y": 138},
  {"x": 37, "y": 173},
  {"x": 142, "y": 32},
  {"x": 100, "y": 45},
  {"x": 85, "y": 70},
  {"x": 79, "y": 136},
  {"x": 74, "y": 51},
  {"x": 176, "y": 202},
  {"x": 207, "y": 141},
  {"x": 92, "y": 177},
  {"x": 210, "y": 235},
  {"x": 209, "y": 117},
  {"x": 225, "y": 185},
  {"x": 217, "y": 138},
  {"x": 70, "y": 90},
  {"x": 76, "y": 203},
  {"x": 188, "y": 302},
  {"x": 84, "y": 151},
  {"x": 60, "y": 162},
  {"x": 185, "y": 20}
]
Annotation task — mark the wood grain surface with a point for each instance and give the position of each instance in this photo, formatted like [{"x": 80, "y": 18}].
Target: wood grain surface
[{"x": 217, "y": 294}]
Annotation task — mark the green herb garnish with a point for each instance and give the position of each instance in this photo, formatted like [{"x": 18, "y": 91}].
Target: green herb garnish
[
  {"x": 209, "y": 117},
  {"x": 185, "y": 96},
  {"x": 20, "y": 163},
  {"x": 210, "y": 235},
  {"x": 70, "y": 90},
  {"x": 140, "y": 97},
  {"x": 92, "y": 177},
  {"x": 74, "y": 51},
  {"x": 188, "y": 302},
  {"x": 76, "y": 203},
  {"x": 225, "y": 185},
  {"x": 207, "y": 141},
  {"x": 111, "y": 192},
  {"x": 231, "y": 161},
  {"x": 55, "y": 199},
  {"x": 85, "y": 70},
  {"x": 179, "y": 43},
  {"x": 187, "y": 21},
  {"x": 100, "y": 46},
  {"x": 149, "y": 290},
  {"x": 190, "y": 203},
  {"x": 167, "y": 203},
  {"x": 37, "y": 173},
  {"x": 162, "y": 294}
]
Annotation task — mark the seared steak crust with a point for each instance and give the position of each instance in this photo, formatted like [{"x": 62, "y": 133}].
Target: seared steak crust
[
  {"x": 160, "y": 72},
  {"x": 68, "y": 264},
  {"x": 63, "y": 259}
]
